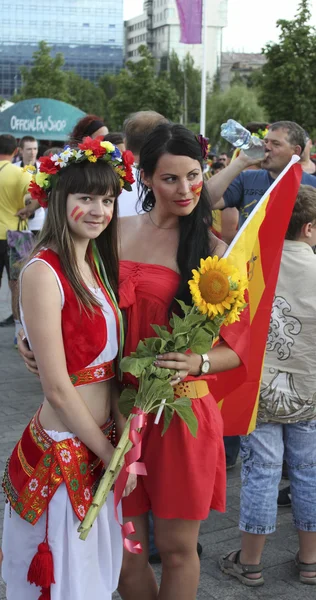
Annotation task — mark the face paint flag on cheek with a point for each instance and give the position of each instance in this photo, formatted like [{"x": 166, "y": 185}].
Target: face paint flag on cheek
[
  {"x": 197, "y": 188},
  {"x": 76, "y": 213}
]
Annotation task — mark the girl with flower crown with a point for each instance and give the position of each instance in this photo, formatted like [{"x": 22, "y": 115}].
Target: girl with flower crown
[
  {"x": 186, "y": 476},
  {"x": 73, "y": 324}
]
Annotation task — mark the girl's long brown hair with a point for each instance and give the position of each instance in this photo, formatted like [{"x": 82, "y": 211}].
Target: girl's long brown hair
[{"x": 84, "y": 178}]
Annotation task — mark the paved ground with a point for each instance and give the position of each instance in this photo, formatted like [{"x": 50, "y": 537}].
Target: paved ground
[{"x": 20, "y": 395}]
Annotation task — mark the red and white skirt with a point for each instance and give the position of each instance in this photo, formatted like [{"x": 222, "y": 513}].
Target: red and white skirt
[{"x": 82, "y": 569}]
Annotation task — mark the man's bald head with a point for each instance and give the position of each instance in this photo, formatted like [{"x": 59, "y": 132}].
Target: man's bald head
[{"x": 138, "y": 126}]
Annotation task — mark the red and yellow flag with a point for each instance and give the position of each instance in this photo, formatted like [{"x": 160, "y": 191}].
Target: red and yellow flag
[
  {"x": 257, "y": 247},
  {"x": 217, "y": 223}
]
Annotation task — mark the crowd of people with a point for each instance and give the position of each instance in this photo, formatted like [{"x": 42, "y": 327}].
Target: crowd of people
[{"x": 119, "y": 220}]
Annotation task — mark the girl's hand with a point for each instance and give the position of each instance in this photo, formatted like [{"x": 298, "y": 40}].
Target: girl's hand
[
  {"x": 130, "y": 484},
  {"x": 183, "y": 364},
  {"x": 27, "y": 354}
]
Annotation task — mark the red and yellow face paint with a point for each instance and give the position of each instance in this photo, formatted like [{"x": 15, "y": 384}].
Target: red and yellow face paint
[
  {"x": 197, "y": 189},
  {"x": 76, "y": 213}
]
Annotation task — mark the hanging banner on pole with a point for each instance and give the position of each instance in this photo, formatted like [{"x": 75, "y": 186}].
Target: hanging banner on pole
[{"x": 190, "y": 15}]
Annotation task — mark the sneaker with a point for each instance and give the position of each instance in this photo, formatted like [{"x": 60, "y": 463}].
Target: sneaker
[
  {"x": 155, "y": 559},
  {"x": 8, "y": 321},
  {"x": 284, "y": 497}
]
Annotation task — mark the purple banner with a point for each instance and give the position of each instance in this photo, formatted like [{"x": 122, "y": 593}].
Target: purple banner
[{"x": 190, "y": 15}]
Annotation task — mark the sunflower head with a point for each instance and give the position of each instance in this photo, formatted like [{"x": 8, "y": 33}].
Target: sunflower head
[{"x": 218, "y": 290}]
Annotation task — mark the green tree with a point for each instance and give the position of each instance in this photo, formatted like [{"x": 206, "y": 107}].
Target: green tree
[
  {"x": 139, "y": 87},
  {"x": 288, "y": 81},
  {"x": 86, "y": 95},
  {"x": 239, "y": 103},
  {"x": 45, "y": 78},
  {"x": 186, "y": 80},
  {"x": 108, "y": 84}
]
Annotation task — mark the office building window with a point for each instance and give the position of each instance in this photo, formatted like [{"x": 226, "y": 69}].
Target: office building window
[{"x": 77, "y": 33}]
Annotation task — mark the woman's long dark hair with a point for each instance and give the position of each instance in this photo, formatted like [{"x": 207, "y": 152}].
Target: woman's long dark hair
[
  {"x": 194, "y": 240},
  {"x": 86, "y": 178}
]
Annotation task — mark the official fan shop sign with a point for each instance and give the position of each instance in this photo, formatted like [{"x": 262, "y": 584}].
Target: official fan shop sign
[
  {"x": 43, "y": 118},
  {"x": 38, "y": 125}
]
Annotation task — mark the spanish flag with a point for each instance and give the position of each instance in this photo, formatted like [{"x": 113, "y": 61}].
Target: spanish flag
[{"x": 258, "y": 248}]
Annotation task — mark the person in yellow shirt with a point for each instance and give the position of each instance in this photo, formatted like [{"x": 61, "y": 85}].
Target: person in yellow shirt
[{"x": 14, "y": 184}]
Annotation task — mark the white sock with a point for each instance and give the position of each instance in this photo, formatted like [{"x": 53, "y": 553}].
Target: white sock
[{"x": 18, "y": 326}]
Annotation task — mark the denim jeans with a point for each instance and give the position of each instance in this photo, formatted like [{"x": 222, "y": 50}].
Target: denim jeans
[{"x": 262, "y": 454}]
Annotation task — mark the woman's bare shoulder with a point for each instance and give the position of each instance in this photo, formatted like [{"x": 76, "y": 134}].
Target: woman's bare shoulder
[
  {"x": 217, "y": 246},
  {"x": 128, "y": 222},
  {"x": 38, "y": 271}
]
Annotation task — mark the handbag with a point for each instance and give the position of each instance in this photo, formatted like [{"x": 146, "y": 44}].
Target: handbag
[{"x": 20, "y": 243}]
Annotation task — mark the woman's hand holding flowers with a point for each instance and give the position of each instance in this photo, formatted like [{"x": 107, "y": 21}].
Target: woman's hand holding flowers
[{"x": 183, "y": 364}]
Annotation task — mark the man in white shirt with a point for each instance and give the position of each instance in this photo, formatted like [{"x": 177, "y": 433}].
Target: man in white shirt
[
  {"x": 286, "y": 421},
  {"x": 136, "y": 128},
  {"x": 29, "y": 150}
]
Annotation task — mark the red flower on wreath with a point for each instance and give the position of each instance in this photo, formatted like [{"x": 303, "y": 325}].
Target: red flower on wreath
[
  {"x": 38, "y": 193},
  {"x": 94, "y": 145},
  {"x": 47, "y": 165},
  {"x": 128, "y": 157},
  {"x": 129, "y": 175},
  {"x": 128, "y": 161}
]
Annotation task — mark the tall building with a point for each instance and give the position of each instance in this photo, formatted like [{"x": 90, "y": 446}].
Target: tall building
[
  {"x": 158, "y": 28},
  {"x": 89, "y": 33},
  {"x": 239, "y": 64}
]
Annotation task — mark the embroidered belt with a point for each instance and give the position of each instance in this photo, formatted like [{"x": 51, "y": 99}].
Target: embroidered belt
[
  {"x": 68, "y": 461},
  {"x": 191, "y": 389},
  {"x": 95, "y": 374}
]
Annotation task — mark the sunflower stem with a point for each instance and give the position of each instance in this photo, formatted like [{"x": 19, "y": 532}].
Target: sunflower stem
[{"x": 107, "y": 480}]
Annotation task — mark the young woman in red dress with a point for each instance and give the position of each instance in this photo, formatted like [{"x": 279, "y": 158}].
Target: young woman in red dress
[{"x": 186, "y": 475}]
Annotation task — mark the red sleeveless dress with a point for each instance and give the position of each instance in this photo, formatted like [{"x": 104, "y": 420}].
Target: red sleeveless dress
[{"x": 186, "y": 476}]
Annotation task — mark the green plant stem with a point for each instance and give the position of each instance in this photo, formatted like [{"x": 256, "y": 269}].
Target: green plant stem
[{"x": 107, "y": 480}]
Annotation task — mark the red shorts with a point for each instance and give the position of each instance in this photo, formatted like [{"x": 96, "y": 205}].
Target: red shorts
[{"x": 186, "y": 476}]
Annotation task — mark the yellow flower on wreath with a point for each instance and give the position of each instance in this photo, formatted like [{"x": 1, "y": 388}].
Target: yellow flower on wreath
[
  {"x": 92, "y": 158},
  {"x": 217, "y": 289},
  {"x": 108, "y": 146},
  {"x": 120, "y": 171},
  {"x": 41, "y": 179},
  {"x": 29, "y": 169}
]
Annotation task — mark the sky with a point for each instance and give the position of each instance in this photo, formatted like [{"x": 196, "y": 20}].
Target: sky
[{"x": 240, "y": 35}]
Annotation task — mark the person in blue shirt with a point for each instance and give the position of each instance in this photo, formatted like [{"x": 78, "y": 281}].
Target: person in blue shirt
[{"x": 240, "y": 187}]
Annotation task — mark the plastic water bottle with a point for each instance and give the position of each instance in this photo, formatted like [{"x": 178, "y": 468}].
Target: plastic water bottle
[{"x": 240, "y": 137}]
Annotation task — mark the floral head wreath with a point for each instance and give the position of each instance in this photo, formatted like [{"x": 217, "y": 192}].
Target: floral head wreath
[{"x": 92, "y": 150}]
